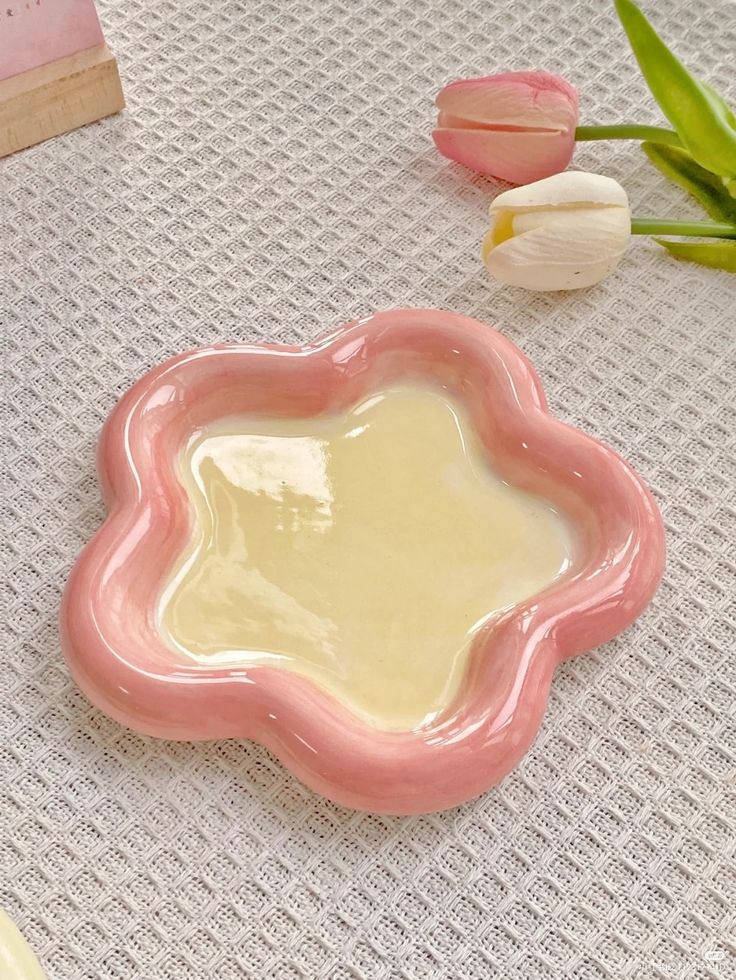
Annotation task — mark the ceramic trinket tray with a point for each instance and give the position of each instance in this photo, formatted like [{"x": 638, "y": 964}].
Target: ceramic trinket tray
[{"x": 368, "y": 554}]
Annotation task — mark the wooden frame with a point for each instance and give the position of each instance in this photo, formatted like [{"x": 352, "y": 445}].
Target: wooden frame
[{"x": 57, "y": 97}]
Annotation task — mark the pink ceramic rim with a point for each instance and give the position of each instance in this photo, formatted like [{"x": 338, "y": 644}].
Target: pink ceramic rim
[{"x": 108, "y": 613}]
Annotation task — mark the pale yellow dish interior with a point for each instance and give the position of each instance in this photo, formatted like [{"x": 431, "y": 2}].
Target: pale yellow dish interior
[{"x": 362, "y": 550}]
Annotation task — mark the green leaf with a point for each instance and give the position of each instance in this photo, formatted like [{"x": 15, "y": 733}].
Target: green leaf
[
  {"x": 705, "y": 187},
  {"x": 721, "y": 103},
  {"x": 704, "y": 123},
  {"x": 716, "y": 255}
]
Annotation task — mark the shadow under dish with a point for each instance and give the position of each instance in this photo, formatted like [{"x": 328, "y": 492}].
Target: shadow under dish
[{"x": 363, "y": 550}]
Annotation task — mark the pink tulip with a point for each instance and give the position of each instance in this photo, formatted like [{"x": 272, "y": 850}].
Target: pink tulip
[{"x": 519, "y": 126}]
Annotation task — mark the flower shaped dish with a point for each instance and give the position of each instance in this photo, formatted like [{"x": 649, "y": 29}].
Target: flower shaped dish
[{"x": 110, "y": 624}]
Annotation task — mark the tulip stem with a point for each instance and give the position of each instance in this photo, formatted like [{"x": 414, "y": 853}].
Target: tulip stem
[
  {"x": 626, "y": 131},
  {"x": 685, "y": 229}
]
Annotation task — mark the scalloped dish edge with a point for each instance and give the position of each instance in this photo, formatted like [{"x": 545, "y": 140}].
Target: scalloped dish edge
[{"x": 120, "y": 661}]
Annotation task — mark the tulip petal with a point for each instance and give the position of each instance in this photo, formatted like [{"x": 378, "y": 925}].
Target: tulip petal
[
  {"x": 519, "y": 157},
  {"x": 519, "y": 126},
  {"x": 573, "y": 187},
  {"x": 528, "y": 100},
  {"x": 568, "y": 249}
]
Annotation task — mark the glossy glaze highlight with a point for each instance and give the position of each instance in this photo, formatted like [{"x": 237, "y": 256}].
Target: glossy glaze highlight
[{"x": 363, "y": 550}]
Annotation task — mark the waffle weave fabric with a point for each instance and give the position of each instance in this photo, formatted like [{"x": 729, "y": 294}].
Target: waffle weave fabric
[{"x": 272, "y": 177}]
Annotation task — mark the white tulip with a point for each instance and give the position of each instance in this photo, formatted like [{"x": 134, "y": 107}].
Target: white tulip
[{"x": 563, "y": 232}]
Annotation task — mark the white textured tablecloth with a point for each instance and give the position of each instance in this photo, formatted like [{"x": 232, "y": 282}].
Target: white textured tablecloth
[{"x": 272, "y": 177}]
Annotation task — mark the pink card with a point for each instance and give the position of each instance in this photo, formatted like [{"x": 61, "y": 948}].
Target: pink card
[{"x": 34, "y": 32}]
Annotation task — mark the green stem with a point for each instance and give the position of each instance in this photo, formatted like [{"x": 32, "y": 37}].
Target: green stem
[
  {"x": 699, "y": 229},
  {"x": 626, "y": 131}
]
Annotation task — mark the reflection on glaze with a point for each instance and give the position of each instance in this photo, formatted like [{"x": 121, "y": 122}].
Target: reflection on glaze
[{"x": 362, "y": 550}]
